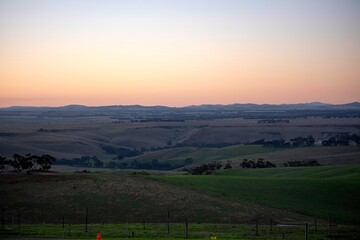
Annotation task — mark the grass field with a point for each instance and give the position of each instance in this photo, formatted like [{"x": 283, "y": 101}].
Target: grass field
[
  {"x": 317, "y": 191},
  {"x": 295, "y": 194},
  {"x": 115, "y": 197},
  {"x": 224, "y": 205},
  {"x": 203, "y": 155},
  {"x": 176, "y": 231}
]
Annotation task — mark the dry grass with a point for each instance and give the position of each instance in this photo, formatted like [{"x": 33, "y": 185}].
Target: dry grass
[{"x": 116, "y": 198}]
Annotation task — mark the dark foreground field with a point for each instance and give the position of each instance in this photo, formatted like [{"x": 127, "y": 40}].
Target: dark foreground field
[
  {"x": 226, "y": 204},
  {"x": 177, "y": 231}
]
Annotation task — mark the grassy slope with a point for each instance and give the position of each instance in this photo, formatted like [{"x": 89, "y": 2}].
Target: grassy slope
[
  {"x": 316, "y": 191},
  {"x": 119, "y": 197},
  {"x": 200, "y": 155},
  {"x": 347, "y": 155},
  {"x": 324, "y": 155}
]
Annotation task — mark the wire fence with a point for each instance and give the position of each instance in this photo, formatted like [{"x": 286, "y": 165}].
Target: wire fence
[{"x": 258, "y": 227}]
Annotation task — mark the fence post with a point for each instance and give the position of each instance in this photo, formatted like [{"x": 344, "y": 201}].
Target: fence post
[
  {"x": 329, "y": 224},
  {"x": 257, "y": 224},
  {"x": 69, "y": 229},
  {"x": 2, "y": 217},
  {"x": 271, "y": 223},
  {"x": 63, "y": 221},
  {"x": 19, "y": 220},
  {"x": 186, "y": 228},
  {"x": 86, "y": 219},
  {"x": 168, "y": 222},
  {"x": 144, "y": 223},
  {"x": 315, "y": 223},
  {"x": 306, "y": 231}
]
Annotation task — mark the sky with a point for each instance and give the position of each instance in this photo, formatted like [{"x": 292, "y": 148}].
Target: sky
[{"x": 178, "y": 52}]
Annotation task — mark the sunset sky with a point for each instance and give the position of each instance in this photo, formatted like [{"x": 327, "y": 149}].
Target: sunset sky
[{"x": 178, "y": 52}]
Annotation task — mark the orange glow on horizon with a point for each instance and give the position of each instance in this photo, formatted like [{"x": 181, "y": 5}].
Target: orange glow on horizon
[{"x": 170, "y": 59}]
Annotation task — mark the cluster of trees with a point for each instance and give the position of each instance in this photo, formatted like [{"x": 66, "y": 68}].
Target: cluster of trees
[
  {"x": 303, "y": 141},
  {"x": 281, "y": 143},
  {"x": 210, "y": 168},
  {"x": 273, "y": 121},
  {"x": 135, "y": 164},
  {"x": 122, "y": 152},
  {"x": 28, "y": 162},
  {"x": 207, "y": 145},
  {"x": 344, "y": 139},
  {"x": 153, "y": 164},
  {"x": 260, "y": 163},
  {"x": 309, "y": 163},
  {"x": 94, "y": 162},
  {"x": 83, "y": 161}
]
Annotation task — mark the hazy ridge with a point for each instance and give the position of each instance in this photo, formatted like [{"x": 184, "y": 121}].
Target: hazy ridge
[{"x": 218, "y": 107}]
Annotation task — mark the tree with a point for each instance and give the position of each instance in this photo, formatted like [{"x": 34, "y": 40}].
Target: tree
[
  {"x": 97, "y": 162},
  {"x": 218, "y": 165},
  {"x": 22, "y": 162},
  {"x": 311, "y": 140},
  {"x": 228, "y": 165},
  {"x": 3, "y": 163},
  {"x": 45, "y": 161},
  {"x": 244, "y": 163},
  {"x": 259, "y": 164},
  {"x": 28, "y": 162}
]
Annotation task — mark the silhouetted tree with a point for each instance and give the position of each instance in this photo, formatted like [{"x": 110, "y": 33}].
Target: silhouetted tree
[
  {"x": 302, "y": 163},
  {"x": 3, "y": 163},
  {"x": 45, "y": 161},
  {"x": 228, "y": 165},
  {"x": 260, "y": 163}
]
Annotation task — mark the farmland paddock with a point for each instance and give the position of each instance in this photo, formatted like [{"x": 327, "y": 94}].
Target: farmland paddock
[
  {"x": 260, "y": 227},
  {"x": 192, "y": 231}
]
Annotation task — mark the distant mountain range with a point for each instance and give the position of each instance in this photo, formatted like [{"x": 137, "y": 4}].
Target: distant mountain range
[{"x": 204, "y": 107}]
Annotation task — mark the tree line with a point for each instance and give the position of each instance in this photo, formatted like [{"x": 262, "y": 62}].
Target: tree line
[
  {"x": 344, "y": 139},
  {"x": 27, "y": 162},
  {"x": 260, "y": 163},
  {"x": 310, "y": 163},
  {"x": 210, "y": 168},
  {"x": 122, "y": 152},
  {"x": 83, "y": 161},
  {"x": 94, "y": 162},
  {"x": 281, "y": 143}
]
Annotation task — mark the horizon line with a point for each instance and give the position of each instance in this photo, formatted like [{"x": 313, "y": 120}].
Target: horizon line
[{"x": 192, "y": 105}]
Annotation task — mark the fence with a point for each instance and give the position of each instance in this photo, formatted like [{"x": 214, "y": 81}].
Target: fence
[{"x": 258, "y": 227}]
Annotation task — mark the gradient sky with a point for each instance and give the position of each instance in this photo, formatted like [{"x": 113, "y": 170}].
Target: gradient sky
[{"x": 178, "y": 52}]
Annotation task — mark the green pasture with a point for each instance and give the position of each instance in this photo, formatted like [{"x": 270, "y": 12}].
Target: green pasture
[{"x": 324, "y": 192}]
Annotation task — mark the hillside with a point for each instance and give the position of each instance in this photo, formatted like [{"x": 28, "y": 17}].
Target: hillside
[
  {"x": 119, "y": 197},
  {"x": 317, "y": 191},
  {"x": 236, "y": 154},
  {"x": 202, "y": 155},
  {"x": 70, "y": 137}
]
